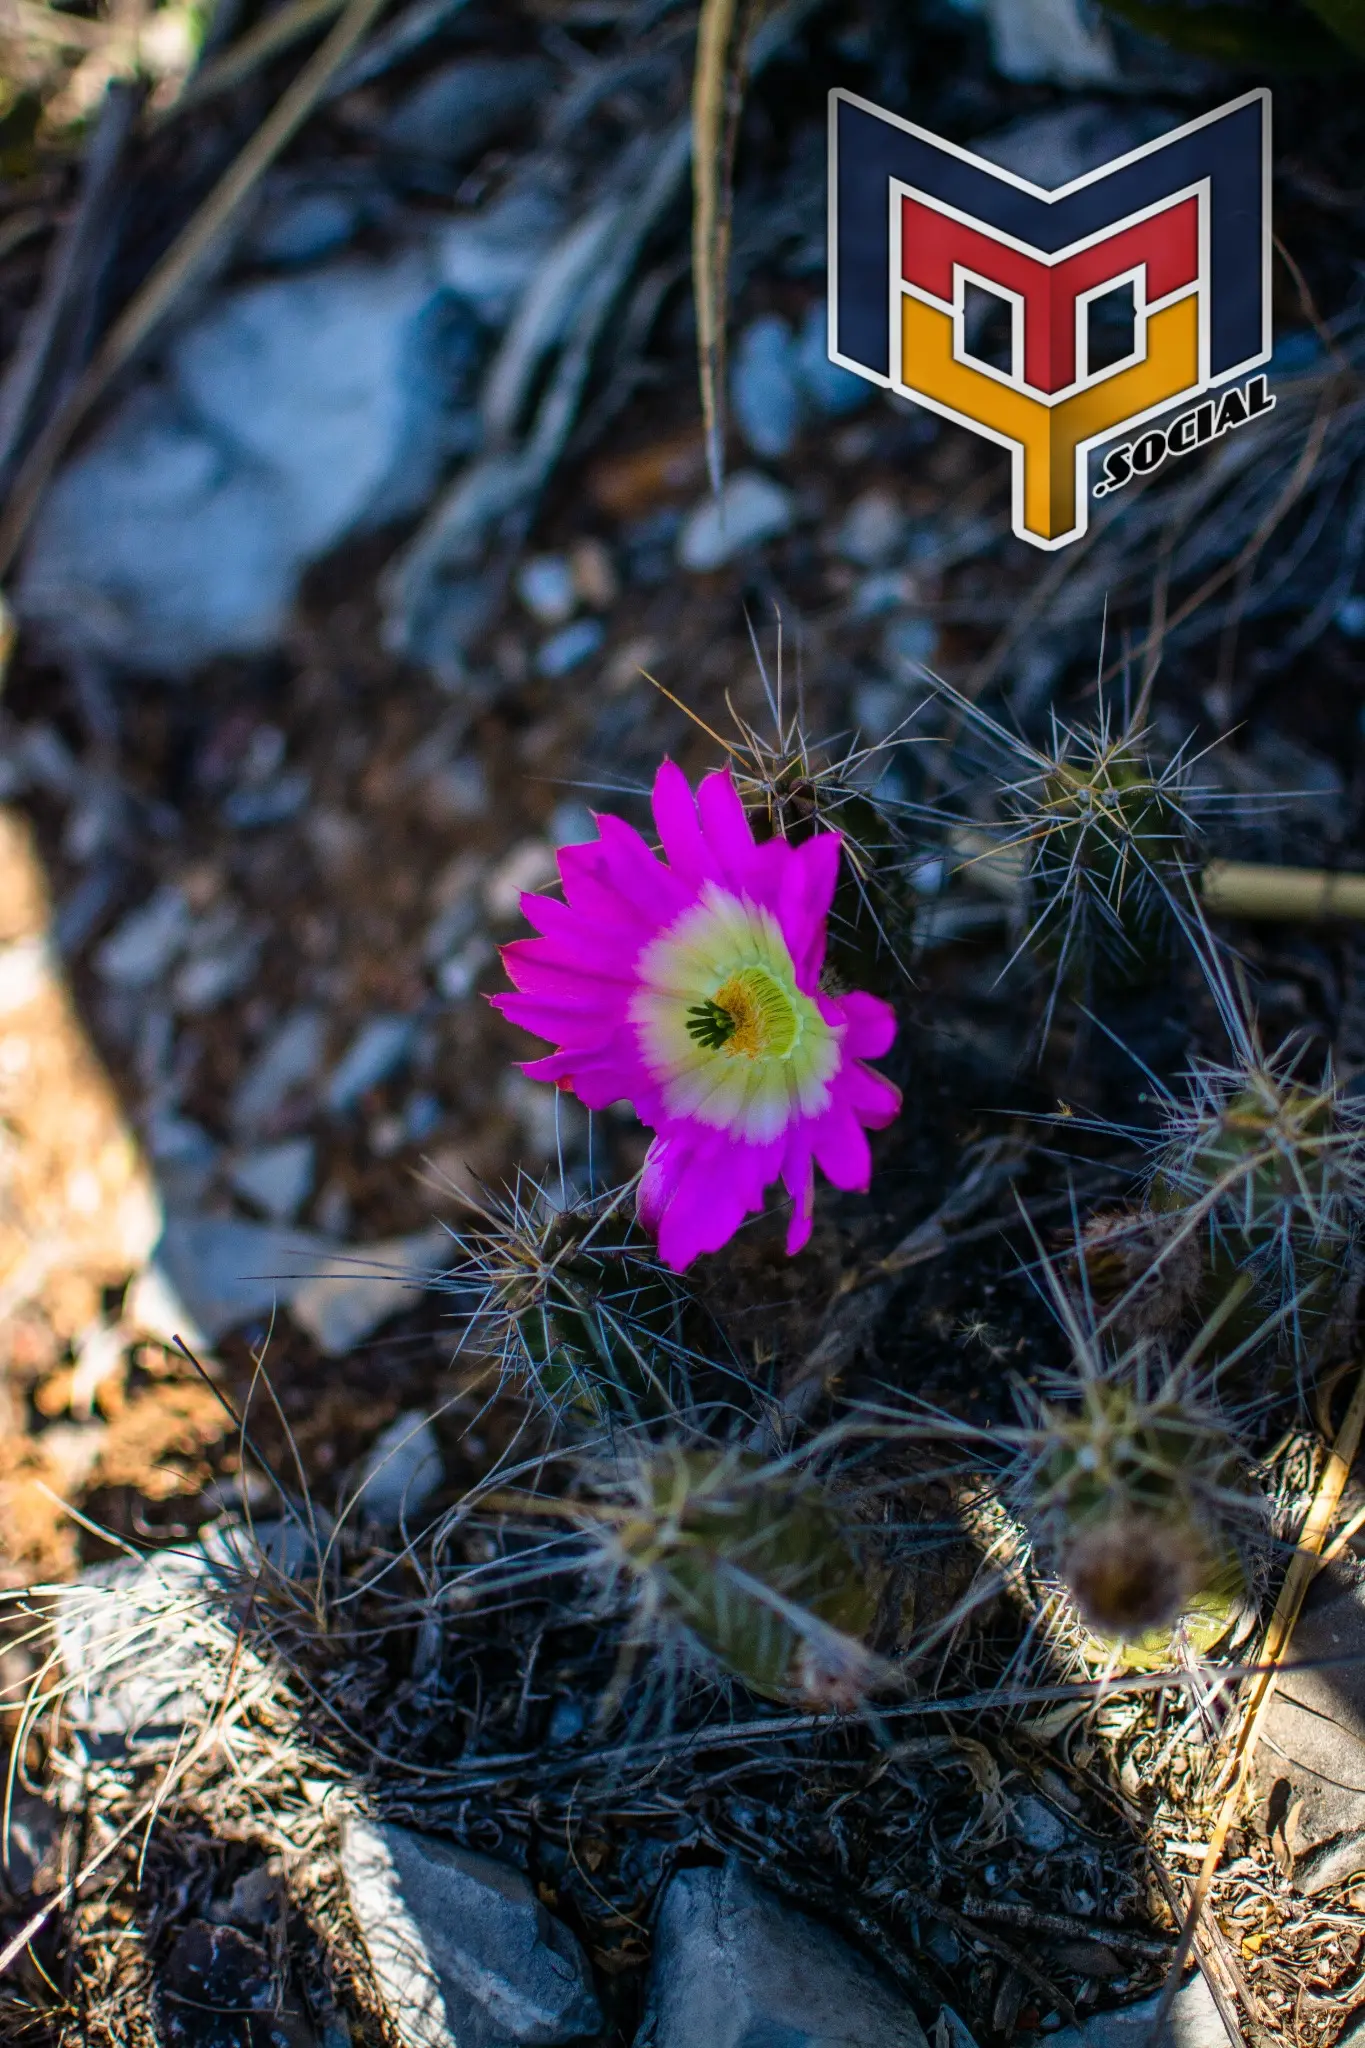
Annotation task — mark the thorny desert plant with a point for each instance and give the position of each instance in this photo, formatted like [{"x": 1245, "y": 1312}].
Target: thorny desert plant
[
  {"x": 1106, "y": 834},
  {"x": 1132, "y": 1482},
  {"x": 793, "y": 786},
  {"x": 574, "y": 1304},
  {"x": 1265, "y": 1167},
  {"x": 749, "y": 1565}
]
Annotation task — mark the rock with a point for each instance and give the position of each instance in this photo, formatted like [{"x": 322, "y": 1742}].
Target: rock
[
  {"x": 1037, "y": 1825},
  {"x": 463, "y": 1952},
  {"x": 305, "y": 224},
  {"x": 490, "y": 257},
  {"x": 545, "y": 585},
  {"x": 1194, "y": 2023},
  {"x": 184, "y": 1155},
  {"x": 378, "y": 1049},
  {"x": 733, "y": 1967},
  {"x": 751, "y": 509},
  {"x": 827, "y": 389},
  {"x": 277, "y": 1179},
  {"x": 284, "y": 1548},
  {"x": 126, "y": 1633},
  {"x": 570, "y": 647},
  {"x": 214, "y": 1273},
  {"x": 364, "y": 1286},
  {"x": 1057, "y": 42},
  {"x": 291, "y": 413},
  {"x": 530, "y": 865},
  {"x": 765, "y": 391},
  {"x": 287, "y": 1061},
  {"x": 1310, "y": 1767},
  {"x": 1331, "y": 1863},
  {"x": 1052, "y": 148},
  {"x": 907, "y": 645},
  {"x": 457, "y": 111},
  {"x": 217, "y": 1990},
  {"x": 140, "y": 949},
  {"x": 404, "y": 1468},
  {"x": 872, "y": 532}
]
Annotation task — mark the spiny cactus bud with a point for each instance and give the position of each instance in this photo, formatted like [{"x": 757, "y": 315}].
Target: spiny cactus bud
[
  {"x": 1132, "y": 1491},
  {"x": 1109, "y": 843},
  {"x": 1270, "y": 1175},
  {"x": 576, "y": 1306},
  {"x": 752, "y": 1565},
  {"x": 793, "y": 788}
]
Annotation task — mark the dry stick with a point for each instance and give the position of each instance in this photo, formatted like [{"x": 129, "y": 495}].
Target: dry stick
[
  {"x": 1303, "y": 1568},
  {"x": 710, "y": 224},
  {"x": 1238, "y": 888},
  {"x": 159, "y": 291}
]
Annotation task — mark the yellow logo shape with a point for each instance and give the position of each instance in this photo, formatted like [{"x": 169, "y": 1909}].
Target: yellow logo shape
[{"x": 1049, "y": 439}]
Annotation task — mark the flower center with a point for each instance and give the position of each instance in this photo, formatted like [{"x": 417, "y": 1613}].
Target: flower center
[{"x": 751, "y": 1016}]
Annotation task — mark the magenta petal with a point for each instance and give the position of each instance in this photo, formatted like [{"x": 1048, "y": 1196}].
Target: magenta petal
[
  {"x": 807, "y": 892},
  {"x": 675, "y": 818},
  {"x": 842, "y": 1152},
  {"x": 871, "y": 1024},
  {"x": 874, "y": 1100},
  {"x": 728, "y": 835},
  {"x": 799, "y": 1176}
]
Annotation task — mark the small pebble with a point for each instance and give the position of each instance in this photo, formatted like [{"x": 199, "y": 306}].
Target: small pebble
[
  {"x": 764, "y": 392},
  {"x": 570, "y": 647},
  {"x": 909, "y": 643},
  {"x": 140, "y": 950},
  {"x": 751, "y": 509},
  {"x": 378, "y": 1049},
  {"x": 828, "y": 388},
  {"x": 594, "y": 574},
  {"x": 872, "y": 531},
  {"x": 545, "y": 585},
  {"x": 530, "y": 865}
]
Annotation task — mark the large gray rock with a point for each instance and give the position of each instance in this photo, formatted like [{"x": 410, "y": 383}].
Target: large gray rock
[
  {"x": 735, "y": 1968},
  {"x": 1194, "y": 2023},
  {"x": 211, "y": 1274},
  {"x": 463, "y": 1952},
  {"x": 290, "y": 414},
  {"x": 1310, "y": 1766}
]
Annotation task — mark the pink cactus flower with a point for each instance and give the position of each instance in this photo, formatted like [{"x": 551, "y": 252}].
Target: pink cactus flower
[{"x": 689, "y": 986}]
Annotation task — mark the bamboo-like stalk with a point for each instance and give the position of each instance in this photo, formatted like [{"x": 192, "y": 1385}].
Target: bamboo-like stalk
[{"x": 1239, "y": 888}]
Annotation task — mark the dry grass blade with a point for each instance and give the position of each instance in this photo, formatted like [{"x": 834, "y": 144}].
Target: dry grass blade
[
  {"x": 716, "y": 92},
  {"x": 1303, "y": 1568},
  {"x": 160, "y": 290}
]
